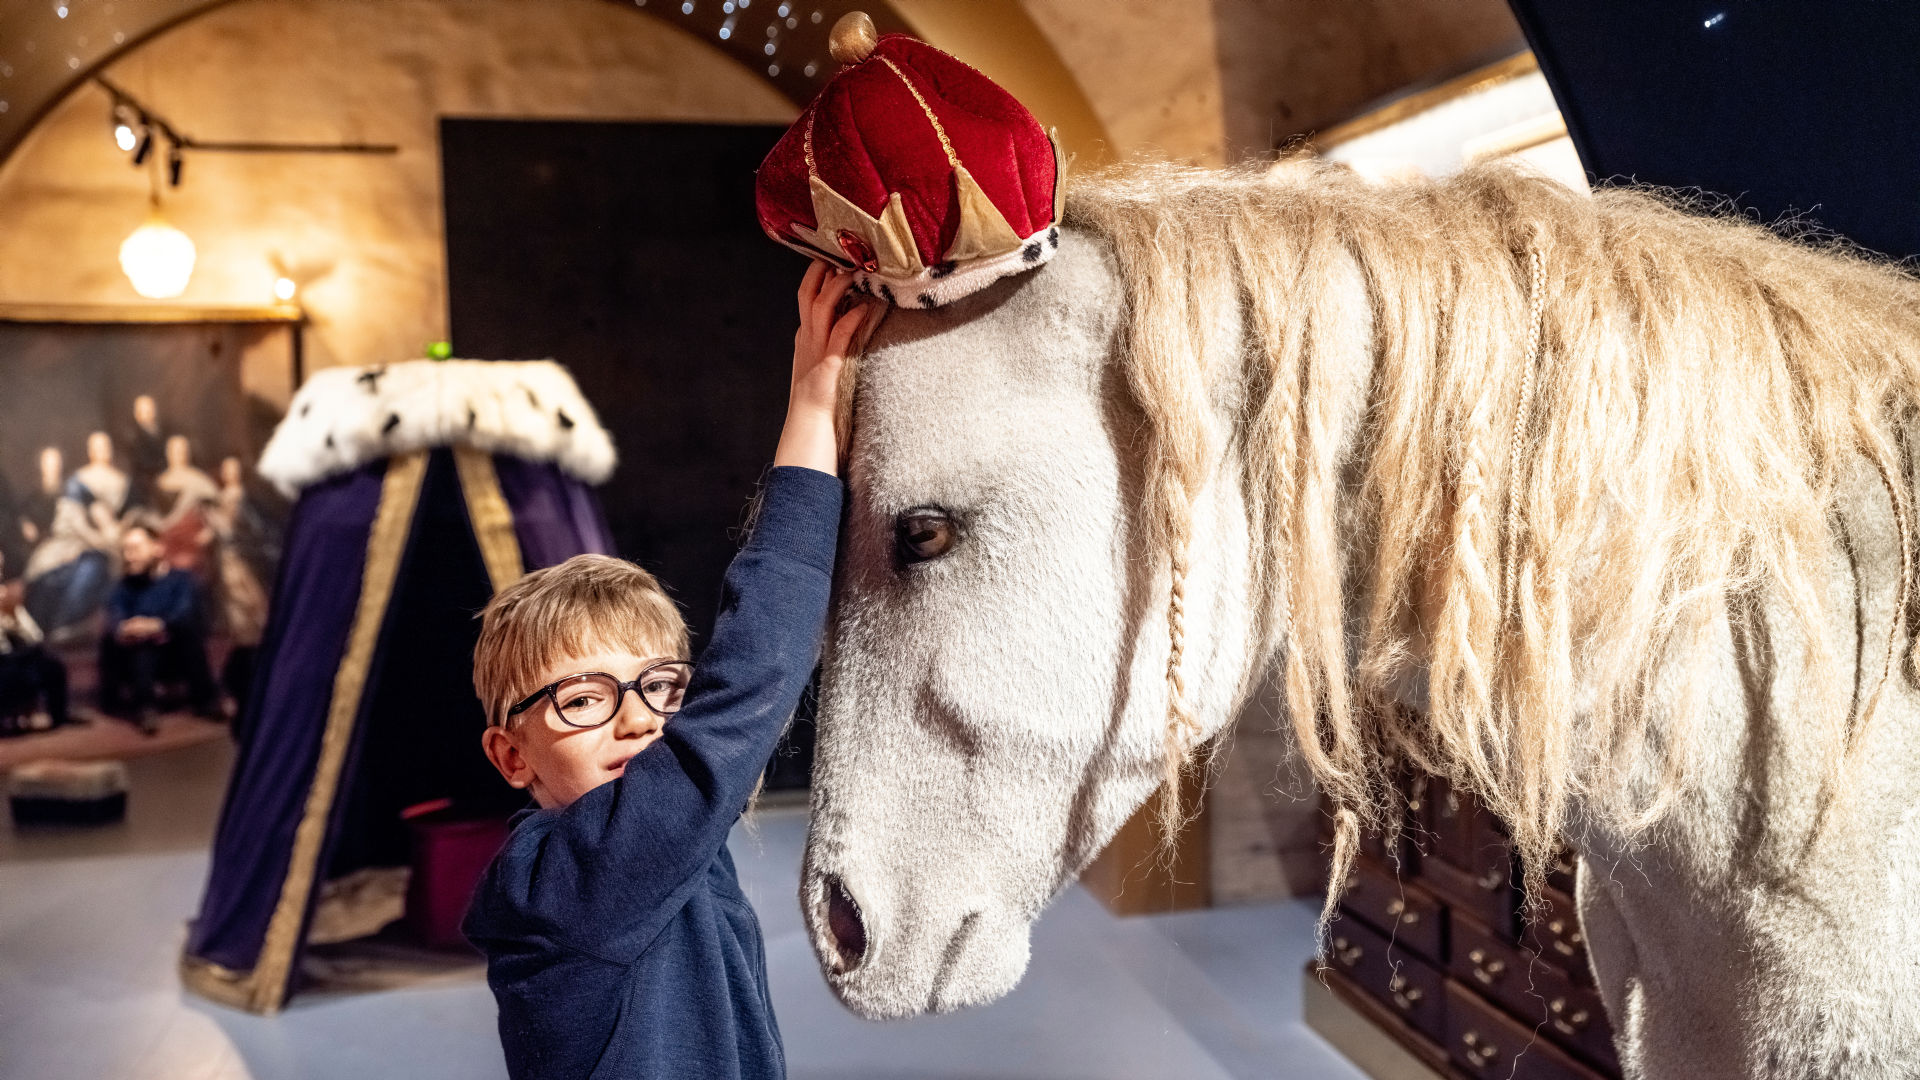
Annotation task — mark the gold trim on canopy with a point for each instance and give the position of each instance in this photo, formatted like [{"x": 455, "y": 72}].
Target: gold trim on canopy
[
  {"x": 490, "y": 516},
  {"x": 264, "y": 989},
  {"x": 231, "y": 988}
]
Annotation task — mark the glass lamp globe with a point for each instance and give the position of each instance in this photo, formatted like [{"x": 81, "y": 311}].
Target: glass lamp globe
[{"x": 158, "y": 259}]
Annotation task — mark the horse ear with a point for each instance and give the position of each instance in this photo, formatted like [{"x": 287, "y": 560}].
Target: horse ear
[{"x": 849, "y": 375}]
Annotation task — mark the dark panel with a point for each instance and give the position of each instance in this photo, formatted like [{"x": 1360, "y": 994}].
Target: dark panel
[
  {"x": 630, "y": 252},
  {"x": 1791, "y": 107}
]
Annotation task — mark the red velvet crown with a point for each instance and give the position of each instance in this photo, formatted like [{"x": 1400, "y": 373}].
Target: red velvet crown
[{"x": 915, "y": 171}]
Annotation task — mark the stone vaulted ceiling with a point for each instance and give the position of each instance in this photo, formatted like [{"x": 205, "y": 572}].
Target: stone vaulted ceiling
[{"x": 48, "y": 47}]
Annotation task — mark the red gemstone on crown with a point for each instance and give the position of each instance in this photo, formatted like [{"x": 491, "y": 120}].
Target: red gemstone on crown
[{"x": 859, "y": 251}]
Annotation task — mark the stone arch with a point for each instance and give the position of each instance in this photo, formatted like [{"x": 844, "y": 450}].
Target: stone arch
[{"x": 52, "y": 50}]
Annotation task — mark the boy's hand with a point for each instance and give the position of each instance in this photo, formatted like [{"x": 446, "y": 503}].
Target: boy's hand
[{"x": 819, "y": 352}]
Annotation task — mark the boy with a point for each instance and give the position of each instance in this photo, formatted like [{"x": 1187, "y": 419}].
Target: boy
[{"x": 618, "y": 942}]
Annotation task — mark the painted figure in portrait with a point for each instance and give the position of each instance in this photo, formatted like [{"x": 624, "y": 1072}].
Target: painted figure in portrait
[
  {"x": 146, "y": 452},
  {"x": 182, "y": 496},
  {"x": 245, "y": 550},
  {"x": 72, "y": 568}
]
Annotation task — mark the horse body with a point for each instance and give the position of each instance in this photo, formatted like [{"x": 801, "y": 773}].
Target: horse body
[
  {"x": 1759, "y": 930},
  {"x": 993, "y": 711}
]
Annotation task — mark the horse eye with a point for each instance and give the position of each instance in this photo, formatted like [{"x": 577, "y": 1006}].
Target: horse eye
[{"x": 923, "y": 534}]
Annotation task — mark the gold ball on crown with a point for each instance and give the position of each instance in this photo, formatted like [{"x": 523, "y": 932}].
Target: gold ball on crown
[{"x": 853, "y": 38}]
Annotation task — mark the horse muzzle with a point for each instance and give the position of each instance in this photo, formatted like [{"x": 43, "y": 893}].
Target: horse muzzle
[{"x": 888, "y": 959}]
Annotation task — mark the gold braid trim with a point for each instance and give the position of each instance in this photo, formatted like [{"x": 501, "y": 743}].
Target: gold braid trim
[
  {"x": 806, "y": 144},
  {"x": 490, "y": 516},
  {"x": 387, "y": 542},
  {"x": 231, "y": 988},
  {"x": 952, "y": 158}
]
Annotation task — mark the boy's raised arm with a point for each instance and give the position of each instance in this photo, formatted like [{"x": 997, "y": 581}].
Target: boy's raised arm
[{"x": 622, "y": 851}]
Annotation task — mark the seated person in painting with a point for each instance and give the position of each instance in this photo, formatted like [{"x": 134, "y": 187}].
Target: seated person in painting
[
  {"x": 618, "y": 941},
  {"x": 31, "y": 679},
  {"x": 155, "y": 634}
]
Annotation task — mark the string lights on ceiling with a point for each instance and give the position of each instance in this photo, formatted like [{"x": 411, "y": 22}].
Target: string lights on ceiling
[{"x": 783, "y": 22}]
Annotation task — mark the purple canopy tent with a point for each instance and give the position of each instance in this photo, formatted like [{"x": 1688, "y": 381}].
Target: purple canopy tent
[{"x": 422, "y": 489}]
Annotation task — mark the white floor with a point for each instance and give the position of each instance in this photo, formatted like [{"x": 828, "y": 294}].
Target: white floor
[{"x": 88, "y": 991}]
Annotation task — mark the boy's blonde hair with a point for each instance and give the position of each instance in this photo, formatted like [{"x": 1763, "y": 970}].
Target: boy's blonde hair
[{"x": 587, "y": 604}]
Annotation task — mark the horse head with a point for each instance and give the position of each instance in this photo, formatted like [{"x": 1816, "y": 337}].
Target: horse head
[{"x": 995, "y": 700}]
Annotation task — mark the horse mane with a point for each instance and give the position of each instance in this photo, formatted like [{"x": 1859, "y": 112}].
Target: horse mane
[{"x": 1592, "y": 425}]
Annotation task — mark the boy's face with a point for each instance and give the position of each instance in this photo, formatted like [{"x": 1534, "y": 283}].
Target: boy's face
[{"x": 538, "y": 751}]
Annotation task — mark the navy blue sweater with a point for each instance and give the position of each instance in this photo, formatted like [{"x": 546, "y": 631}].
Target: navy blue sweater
[{"x": 618, "y": 941}]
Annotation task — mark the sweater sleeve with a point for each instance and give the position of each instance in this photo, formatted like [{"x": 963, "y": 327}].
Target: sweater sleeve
[
  {"x": 612, "y": 863},
  {"x": 119, "y": 606},
  {"x": 178, "y": 603}
]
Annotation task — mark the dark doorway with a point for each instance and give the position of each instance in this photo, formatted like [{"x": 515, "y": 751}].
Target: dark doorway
[{"x": 631, "y": 254}]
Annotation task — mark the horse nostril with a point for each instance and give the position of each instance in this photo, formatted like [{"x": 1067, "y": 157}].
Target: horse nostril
[{"x": 844, "y": 923}]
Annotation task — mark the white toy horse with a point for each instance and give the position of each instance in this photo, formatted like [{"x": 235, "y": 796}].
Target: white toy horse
[{"x": 1598, "y": 508}]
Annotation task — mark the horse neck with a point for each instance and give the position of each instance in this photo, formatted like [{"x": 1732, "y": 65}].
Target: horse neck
[{"x": 1325, "y": 455}]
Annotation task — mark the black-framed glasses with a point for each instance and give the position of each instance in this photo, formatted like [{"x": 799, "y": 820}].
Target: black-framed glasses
[{"x": 592, "y": 698}]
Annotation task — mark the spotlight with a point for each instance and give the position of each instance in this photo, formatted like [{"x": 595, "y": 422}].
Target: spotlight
[
  {"x": 123, "y": 137},
  {"x": 144, "y": 147},
  {"x": 174, "y": 164}
]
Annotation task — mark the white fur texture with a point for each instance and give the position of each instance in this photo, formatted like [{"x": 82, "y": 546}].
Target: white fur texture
[
  {"x": 989, "y": 718},
  {"x": 344, "y": 418}
]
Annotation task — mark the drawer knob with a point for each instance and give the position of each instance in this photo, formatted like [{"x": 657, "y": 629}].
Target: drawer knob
[
  {"x": 1398, "y": 910},
  {"x": 1405, "y": 995},
  {"x": 1566, "y": 939},
  {"x": 1480, "y": 1052},
  {"x": 1566, "y": 1019},
  {"x": 1346, "y": 952},
  {"x": 1486, "y": 969}
]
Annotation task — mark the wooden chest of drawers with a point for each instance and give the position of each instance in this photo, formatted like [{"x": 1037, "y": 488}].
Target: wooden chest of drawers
[{"x": 1430, "y": 946}]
